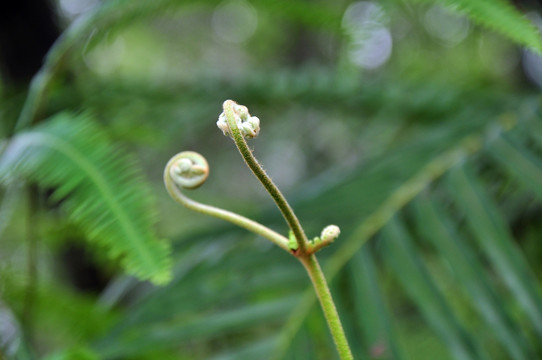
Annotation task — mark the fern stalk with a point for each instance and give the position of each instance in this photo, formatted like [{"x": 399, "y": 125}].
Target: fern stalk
[
  {"x": 302, "y": 251},
  {"x": 189, "y": 170}
]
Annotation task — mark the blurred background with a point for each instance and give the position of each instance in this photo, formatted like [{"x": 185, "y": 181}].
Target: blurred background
[{"x": 412, "y": 125}]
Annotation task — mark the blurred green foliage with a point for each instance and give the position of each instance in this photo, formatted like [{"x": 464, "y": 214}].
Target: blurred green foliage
[{"x": 414, "y": 127}]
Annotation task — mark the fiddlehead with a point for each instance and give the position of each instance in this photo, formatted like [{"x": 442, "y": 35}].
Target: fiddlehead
[
  {"x": 328, "y": 235},
  {"x": 189, "y": 170}
]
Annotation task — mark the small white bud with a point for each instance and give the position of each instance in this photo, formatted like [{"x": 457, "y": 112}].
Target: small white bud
[
  {"x": 242, "y": 111},
  {"x": 183, "y": 166},
  {"x": 251, "y": 127},
  {"x": 254, "y": 122},
  {"x": 223, "y": 124},
  {"x": 330, "y": 233}
]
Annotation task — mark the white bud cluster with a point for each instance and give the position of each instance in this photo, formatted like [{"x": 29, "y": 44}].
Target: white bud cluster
[
  {"x": 330, "y": 233},
  {"x": 249, "y": 126}
]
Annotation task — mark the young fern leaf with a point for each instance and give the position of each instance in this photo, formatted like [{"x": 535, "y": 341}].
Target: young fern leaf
[
  {"x": 500, "y": 16},
  {"x": 102, "y": 190}
]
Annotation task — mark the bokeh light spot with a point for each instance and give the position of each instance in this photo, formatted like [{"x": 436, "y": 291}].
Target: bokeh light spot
[
  {"x": 106, "y": 57},
  {"x": 73, "y": 8},
  {"x": 234, "y": 21},
  {"x": 448, "y": 27},
  {"x": 371, "y": 42}
]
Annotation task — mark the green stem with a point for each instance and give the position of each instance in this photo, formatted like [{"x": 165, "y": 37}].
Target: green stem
[
  {"x": 316, "y": 247},
  {"x": 266, "y": 181},
  {"x": 232, "y": 217},
  {"x": 328, "y": 306},
  {"x": 305, "y": 252}
]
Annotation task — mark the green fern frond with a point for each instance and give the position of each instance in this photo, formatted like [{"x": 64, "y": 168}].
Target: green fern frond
[
  {"x": 500, "y": 16},
  {"x": 104, "y": 192}
]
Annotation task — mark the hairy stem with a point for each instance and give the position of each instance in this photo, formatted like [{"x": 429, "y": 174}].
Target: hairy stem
[
  {"x": 305, "y": 250},
  {"x": 266, "y": 181},
  {"x": 328, "y": 306},
  {"x": 316, "y": 247}
]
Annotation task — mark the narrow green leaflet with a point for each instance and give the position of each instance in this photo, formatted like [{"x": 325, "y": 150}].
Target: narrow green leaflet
[
  {"x": 180, "y": 329},
  {"x": 255, "y": 350},
  {"x": 234, "y": 309},
  {"x": 76, "y": 353},
  {"x": 500, "y": 16},
  {"x": 100, "y": 189},
  {"x": 492, "y": 233},
  {"x": 437, "y": 229},
  {"x": 12, "y": 195},
  {"x": 521, "y": 163},
  {"x": 413, "y": 276},
  {"x": 371, "y": 311}
]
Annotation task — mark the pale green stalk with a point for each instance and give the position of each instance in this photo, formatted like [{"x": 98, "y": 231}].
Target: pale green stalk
[
  {"x": 305, "y": 250},
  {"x": 328, "y": 306}
]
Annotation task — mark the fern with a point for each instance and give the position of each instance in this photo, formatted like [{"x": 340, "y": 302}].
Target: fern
[
  {"x": 103, "y": 191},
  {"x": 501, "y": 16}
]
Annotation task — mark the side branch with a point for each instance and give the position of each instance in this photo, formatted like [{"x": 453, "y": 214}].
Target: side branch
[{"x": 172, "y": 185}]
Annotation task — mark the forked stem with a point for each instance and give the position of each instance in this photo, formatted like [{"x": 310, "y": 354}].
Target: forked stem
[
  {"x": 236, "y": 115},
  {"x": 189, "y": 170}
]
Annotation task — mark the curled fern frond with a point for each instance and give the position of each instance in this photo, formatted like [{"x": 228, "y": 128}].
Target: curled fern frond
[
  {"x": 103, "y": 191},
  {"x": 188, "y": 169}
]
